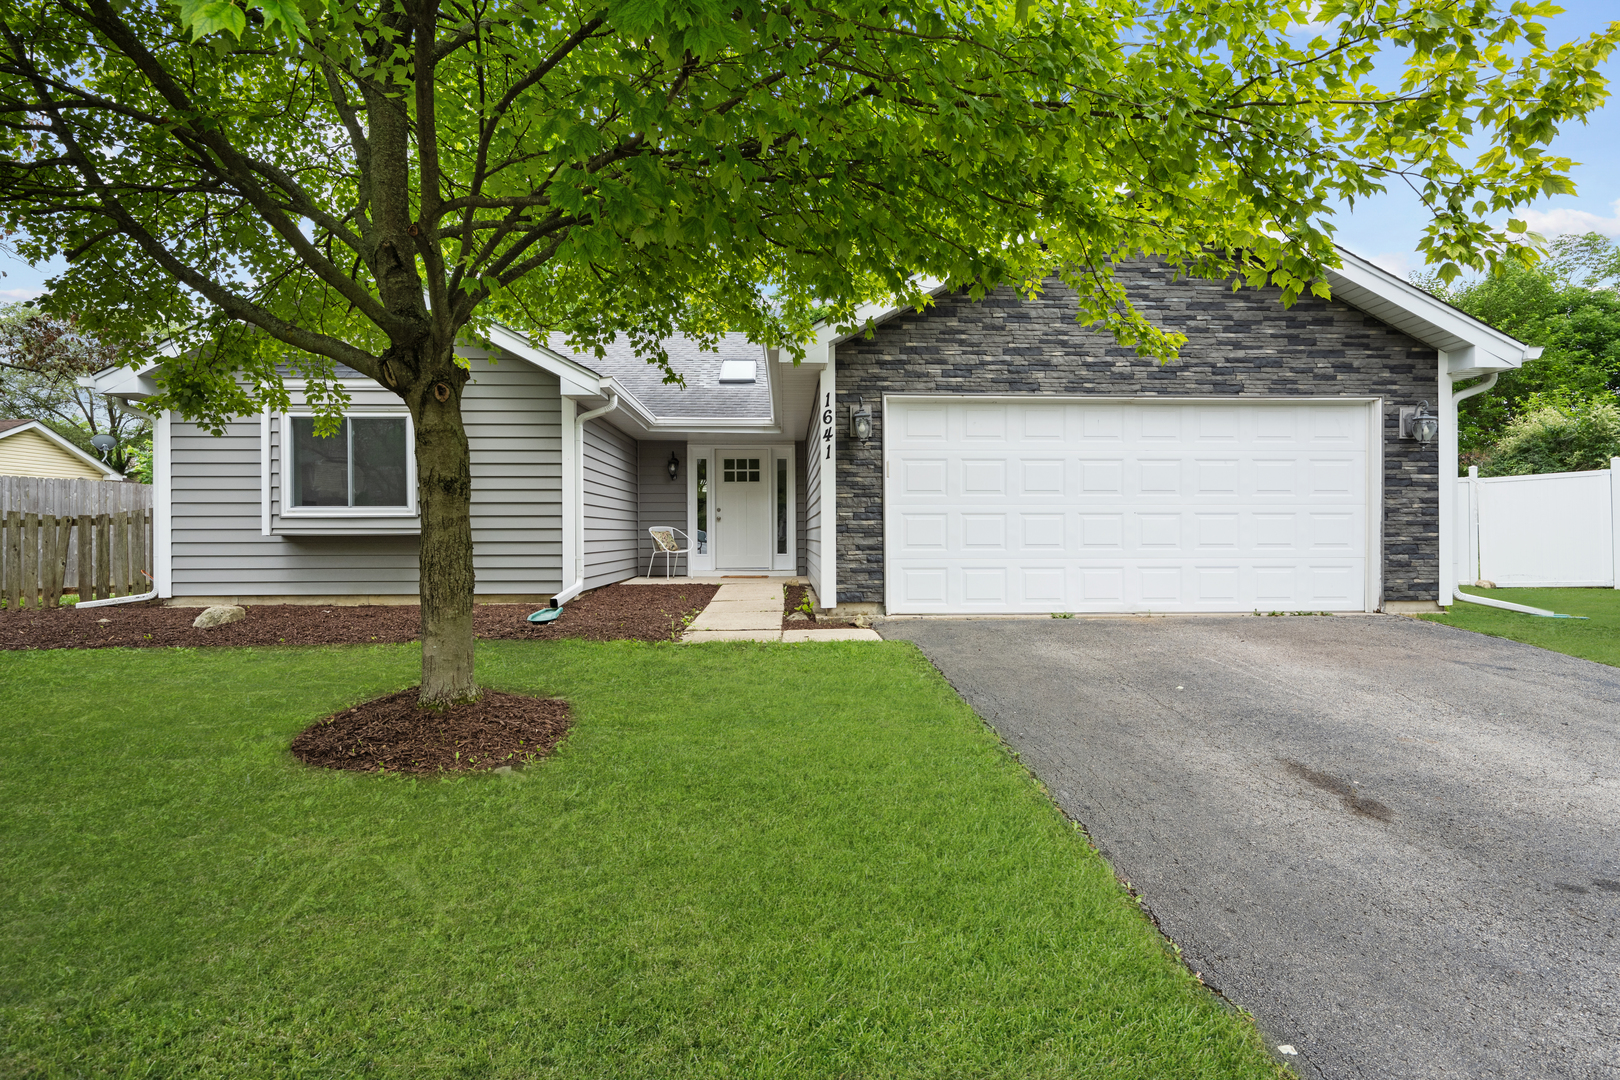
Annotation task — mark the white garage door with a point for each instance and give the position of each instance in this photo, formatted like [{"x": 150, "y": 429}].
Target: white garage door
[{"x": 1018, "y": 505}]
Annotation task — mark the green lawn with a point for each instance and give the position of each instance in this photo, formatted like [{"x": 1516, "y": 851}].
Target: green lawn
[
  {"x": 750, "y": 861},
  {"x": 1596, "y": 637}
]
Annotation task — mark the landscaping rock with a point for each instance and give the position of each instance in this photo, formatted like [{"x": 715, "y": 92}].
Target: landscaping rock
[
  {"x": 798, "y": 616},
  {"x": 1483, "y": 584},
  {"x": 219, "y": 615}
]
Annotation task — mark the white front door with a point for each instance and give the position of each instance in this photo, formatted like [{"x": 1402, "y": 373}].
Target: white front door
[
  {"x": 742, "y": 510},
  {"x": 1091, "y": 505}
]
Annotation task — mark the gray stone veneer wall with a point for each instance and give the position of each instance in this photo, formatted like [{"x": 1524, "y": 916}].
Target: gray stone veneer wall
[{"x": 1239, "y": 343}]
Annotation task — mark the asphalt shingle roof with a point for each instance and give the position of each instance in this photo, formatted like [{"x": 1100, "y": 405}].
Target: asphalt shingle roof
[{"x": 704, "y": 395}]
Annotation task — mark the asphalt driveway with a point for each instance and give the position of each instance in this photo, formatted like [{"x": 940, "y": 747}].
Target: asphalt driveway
[{"x": 1397, "y": 844}]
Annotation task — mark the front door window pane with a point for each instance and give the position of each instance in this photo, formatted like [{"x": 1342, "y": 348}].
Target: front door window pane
[
  {"x": 379, "y": 460},
  {"x": 320, "y": 466}
]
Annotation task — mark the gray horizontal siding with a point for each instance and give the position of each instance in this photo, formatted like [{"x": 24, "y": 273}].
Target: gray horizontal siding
[
  {"x": 663, "y": 501},
  {"x": 609, "y": 476},
  {"x": 513, "y": 416},
  {"x": 812, "y": 513}
]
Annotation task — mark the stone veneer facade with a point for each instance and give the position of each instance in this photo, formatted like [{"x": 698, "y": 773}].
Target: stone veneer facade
[{"x": 1244, "y": 344}]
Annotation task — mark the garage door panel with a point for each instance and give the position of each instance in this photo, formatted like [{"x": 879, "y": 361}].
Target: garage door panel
[
  {"x": 1041, "y": 476},
  {"x": 1159, "y": 477},
  {"x": 923, "y": 533},
  {"x": 924, "y": 476},
  {"x": 1042, "y": 423},
  {"x": 1101, "y": 424},
  {"x": 1042, "y": 534},
  {"x": 1140, "y": 506}
]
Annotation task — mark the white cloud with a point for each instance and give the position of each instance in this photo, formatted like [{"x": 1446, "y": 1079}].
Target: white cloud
[
  {"x": 1563, "y": 220},
  {"x": 20, "y": 294},
  {"x": 1399, "y": 263}
]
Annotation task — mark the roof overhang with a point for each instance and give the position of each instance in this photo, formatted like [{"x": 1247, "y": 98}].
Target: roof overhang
[
  {"x": 1471, "y": 347},
  {"x": 34, "y": 425}
]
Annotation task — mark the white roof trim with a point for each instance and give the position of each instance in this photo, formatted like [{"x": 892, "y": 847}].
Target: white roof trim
[
  {"x": 35, "y": 425},
  {"x": 577, "y": 379},
  {"x": 1356, "y": 282},
  {"x": 1434, "y": 322}
]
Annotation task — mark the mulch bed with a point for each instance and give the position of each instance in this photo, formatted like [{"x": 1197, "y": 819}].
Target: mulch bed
[
  {"x": 791, "y": 597},
  {"x": 391, "y": 734},
  {"x": 612, "y": 613}
]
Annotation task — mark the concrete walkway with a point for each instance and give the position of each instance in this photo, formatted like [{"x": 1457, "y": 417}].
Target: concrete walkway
[{"x": 752, "y": 611}]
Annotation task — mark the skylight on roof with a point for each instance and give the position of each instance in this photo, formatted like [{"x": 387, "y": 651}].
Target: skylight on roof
[{"x": 736, "y": 371}]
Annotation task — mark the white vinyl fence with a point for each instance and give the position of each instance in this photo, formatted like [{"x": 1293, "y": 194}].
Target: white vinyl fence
[{"x": 1552, "y": 530}]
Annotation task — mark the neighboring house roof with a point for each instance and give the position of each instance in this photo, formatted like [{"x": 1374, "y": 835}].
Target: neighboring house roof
[
  {"x": 29, "y": 448},
  {"x": 712, "y": 390}
]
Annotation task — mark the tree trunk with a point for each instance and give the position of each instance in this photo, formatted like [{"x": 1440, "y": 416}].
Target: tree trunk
[{"x": 444, "y": 487}]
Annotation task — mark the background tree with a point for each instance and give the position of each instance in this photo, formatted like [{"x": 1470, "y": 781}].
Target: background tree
[
  {"x": 308, "y": 182},
  {"x": 1571, "y": 435},
  {"x": 42, "y": 358},
  {"x": 1569, "y": 303}
]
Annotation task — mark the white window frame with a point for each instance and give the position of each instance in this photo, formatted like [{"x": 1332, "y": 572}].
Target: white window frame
[{"x": 305, "y": 513}]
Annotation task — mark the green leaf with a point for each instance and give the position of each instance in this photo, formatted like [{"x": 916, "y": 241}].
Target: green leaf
[
  {"x": 204, "y": 17},
  {"x": 285, "y": 12}
]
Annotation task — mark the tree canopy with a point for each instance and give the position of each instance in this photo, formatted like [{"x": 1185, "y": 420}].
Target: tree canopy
[
  {"x": 285, "y": 185},
  {"x": 1569, "y": 303},
  {"x": 42, "y": 358}
]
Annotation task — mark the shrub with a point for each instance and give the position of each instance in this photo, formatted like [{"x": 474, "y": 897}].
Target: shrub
[{"x": 1557, "y": 435}]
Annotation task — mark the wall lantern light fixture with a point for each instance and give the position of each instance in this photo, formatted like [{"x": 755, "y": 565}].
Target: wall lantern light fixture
[
  {"x": 674, "y": 465},
  {"x": 1418, "y": 423},
  {"x": 860, "y": 422}
]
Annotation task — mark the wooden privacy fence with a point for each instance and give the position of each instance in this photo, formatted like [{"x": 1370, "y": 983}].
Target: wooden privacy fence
[{"x": 95, "y": 555}]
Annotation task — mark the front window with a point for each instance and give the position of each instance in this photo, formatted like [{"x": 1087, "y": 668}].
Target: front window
[{"x": 364, "y": 464}]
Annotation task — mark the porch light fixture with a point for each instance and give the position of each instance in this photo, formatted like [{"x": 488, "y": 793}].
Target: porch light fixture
[
  {"x": 860, "y": 422},
  {"x": 674, "y": 465},
  {"x": 1420, "y": 424}
]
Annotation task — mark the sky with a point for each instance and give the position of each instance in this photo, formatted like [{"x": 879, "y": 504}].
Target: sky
[{"x": 1385, "y": 229}]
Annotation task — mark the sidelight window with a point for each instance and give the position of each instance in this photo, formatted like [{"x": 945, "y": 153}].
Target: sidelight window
[{"x": 781, "y": 506}]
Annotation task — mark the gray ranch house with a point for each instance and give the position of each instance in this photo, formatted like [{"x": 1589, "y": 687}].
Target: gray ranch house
[{"x": 984, "y": 456}]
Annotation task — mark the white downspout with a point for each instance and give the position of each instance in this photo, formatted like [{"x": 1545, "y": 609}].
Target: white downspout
[
  {"x": 574, "y": 480},
  {"x": 162, "y": 525},
  {"x": 1450, "y": 564}
]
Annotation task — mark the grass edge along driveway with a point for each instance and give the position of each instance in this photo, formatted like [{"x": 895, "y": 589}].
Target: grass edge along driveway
[
  {"x": 745, "y": 861},
  {"x": 1596, "y": 637}
]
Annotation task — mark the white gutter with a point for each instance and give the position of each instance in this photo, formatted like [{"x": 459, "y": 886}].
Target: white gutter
[{"x": 576, "y": 481}]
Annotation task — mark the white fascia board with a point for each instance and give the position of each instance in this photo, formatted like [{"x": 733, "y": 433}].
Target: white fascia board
[
  {"x": 581, "y": 381},
  {"x": 125, "y": 382},
  {"x": 34, "y": 425},
  {"x": 1431, "y": 320},
  {"x": 819, "y": 349}
]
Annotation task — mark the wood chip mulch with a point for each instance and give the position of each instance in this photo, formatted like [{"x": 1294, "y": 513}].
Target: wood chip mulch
[
  {"x": 792, "y": 595},
  {"x": 392, "y": 734},
  {"x": 612, "y": 613}
]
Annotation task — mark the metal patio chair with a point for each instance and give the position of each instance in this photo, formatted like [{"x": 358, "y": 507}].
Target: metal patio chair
[{"x": 665, "y": 544}]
